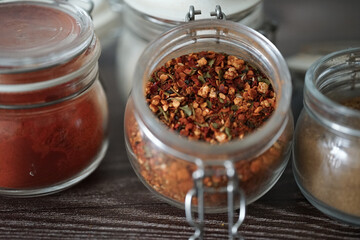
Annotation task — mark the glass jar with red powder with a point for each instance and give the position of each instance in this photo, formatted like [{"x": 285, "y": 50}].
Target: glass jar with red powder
[{"x": 53, "y": 109}]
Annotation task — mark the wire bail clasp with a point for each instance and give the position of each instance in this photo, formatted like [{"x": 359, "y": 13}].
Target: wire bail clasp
[
  {"x": 197, "y": 191},
  {"x": 190, "y": 16},
  {"x": 233, "y": 191},
  {"x": 218, "y": 13}
]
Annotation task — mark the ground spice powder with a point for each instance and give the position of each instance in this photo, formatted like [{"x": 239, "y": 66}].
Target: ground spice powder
[
  {"x": 48, "y": 134},
  {"x": 44, "y": 146},
  {"x": 211, "y": 97},
  {"x": 327, "y": 164}
]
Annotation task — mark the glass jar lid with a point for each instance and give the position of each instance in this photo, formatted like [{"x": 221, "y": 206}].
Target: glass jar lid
[
  {"x": 174, "y": 10},
  {"x": 38, "y": 34}
]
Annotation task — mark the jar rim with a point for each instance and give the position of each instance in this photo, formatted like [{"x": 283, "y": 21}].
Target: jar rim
[
  {"x": 270, "y": 130},
  {"x": 331, "y": 107},
  {"x": 94, "y": 53},
  {"x": 59, "y": 32}
]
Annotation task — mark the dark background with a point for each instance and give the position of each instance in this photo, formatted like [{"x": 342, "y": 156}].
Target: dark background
[{"x": 309, "y": 22}]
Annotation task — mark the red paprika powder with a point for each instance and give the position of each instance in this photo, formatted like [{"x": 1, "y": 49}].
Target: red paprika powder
[{"x": 53, "y": 109}]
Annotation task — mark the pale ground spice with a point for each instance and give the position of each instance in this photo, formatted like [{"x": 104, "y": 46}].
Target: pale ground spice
[{"x": 328, "y": 165}]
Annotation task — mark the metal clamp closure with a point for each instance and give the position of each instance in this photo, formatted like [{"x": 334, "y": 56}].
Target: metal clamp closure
[
  {"x": 232, "y": 190},
  {"x": 190, "y": 16},
  {"x": 218, "y": 13},
  {"x": 197, "y": 190}
]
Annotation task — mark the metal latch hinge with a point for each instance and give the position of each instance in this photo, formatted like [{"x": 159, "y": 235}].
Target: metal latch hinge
[{"x": 190, "y": 16}]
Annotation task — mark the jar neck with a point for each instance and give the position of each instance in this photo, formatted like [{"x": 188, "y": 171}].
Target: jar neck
[
  {"x": 43, "y": 87},
  {"x": 328, "y": 82}
]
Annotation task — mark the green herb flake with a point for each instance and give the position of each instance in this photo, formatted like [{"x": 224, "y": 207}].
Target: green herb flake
[
  {"x": 172, "y": 89},
  {"x": 221, "y": 75},
  {"x": 209, "y": 104},
  {"x": 193, "y": 71},
  {"x": 228, "y": 132},
  {"x": 187, "y": 110},
  {"x": 170, "y": 76},
  {"x": 164, "y": 113},
  {"x": 207, "y": 75},
  {"x": 215, "y": 125},
  {"x": 260, "y": 79},
  {"x": 202, "y": 124},
  {"x": 201, "y": 78},
  {"x": 234, "y": 107},
  {"x": 221, "y": 100},
  {"x": 211, "y": 62},
  {"x": 156, "y": 76}
]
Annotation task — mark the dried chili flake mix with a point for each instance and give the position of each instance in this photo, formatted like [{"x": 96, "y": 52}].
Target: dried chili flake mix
[{"x": 209, "y": 96}]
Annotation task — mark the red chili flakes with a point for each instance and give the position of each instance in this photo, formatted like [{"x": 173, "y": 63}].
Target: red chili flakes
[{"x": 209, "y": 96}]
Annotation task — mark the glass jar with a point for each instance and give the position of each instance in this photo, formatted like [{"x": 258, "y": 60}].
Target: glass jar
[
  {"x": 53, "y": 109},
  {"x": 326, "y": 149},
  {"x": 169, "y": 164},
  {"x": 143, "y": 21}
]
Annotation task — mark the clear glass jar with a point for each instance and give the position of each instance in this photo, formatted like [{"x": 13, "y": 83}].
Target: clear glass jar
[
  {"x": 168, "y": 164},
  {"x": 326, "y": 153},
  {"x": 53, "y": 109},
  {"x": 143, "y": 21}
]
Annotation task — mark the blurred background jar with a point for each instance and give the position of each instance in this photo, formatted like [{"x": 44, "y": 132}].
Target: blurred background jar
[
  {"x": 53, "y": 109},
  {"x": 143, "y": 21},
  {"x": 326, "y": 153},
  {"x": 192, "y": 174}
]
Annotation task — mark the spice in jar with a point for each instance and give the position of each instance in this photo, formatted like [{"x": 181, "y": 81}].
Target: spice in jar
[
  {"x": 327, "y": 163},
  {"x": 41, "y": 147},
  {"x": 53, "y": 109},
  {"x": 353, "y": 103},
  {"x": 210, "y": 97}
]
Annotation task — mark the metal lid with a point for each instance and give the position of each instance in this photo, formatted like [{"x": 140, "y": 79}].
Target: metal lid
[
  {"x": 174, "y": 10},
  {"x": 38, "y": 34}
]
